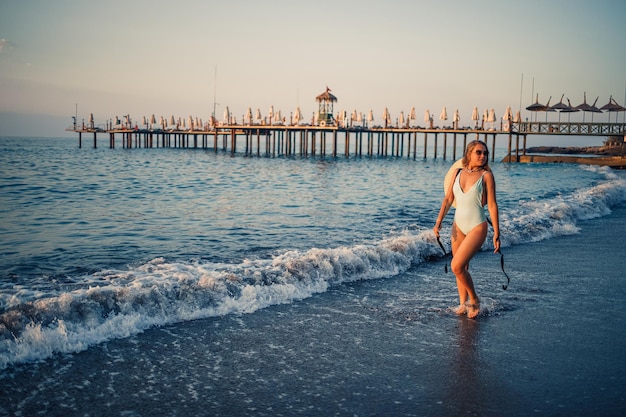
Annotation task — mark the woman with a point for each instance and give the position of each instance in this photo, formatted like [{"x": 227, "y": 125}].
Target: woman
[{"x": 469, "y": 229}]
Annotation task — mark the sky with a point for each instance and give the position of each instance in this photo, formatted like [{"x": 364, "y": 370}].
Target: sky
[{"x": 186, "y": 58}]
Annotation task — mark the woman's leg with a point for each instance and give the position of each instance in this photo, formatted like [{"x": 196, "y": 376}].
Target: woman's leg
[{"x": 464, "y": 247}]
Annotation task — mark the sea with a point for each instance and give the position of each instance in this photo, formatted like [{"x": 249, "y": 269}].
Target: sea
[{"x": 194, "y": 282}]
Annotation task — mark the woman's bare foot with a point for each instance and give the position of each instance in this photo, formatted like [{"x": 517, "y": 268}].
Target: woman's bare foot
[
  {"x": 473, "y": 309},
  {"x": 461, "y": 309}
]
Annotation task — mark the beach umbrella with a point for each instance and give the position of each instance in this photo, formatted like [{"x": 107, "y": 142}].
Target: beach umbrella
[
  {"x": 162, "y": 122},
  {"x": 153, "y": 119},
  {"x": 117, "y": 121},
  {"x": 612, "y": 107},
  {"x": 536, "y": 107},
  {"x": 485, "y": 117},
  {"x": 518, "y": 117},
  {"x": 569, "y": 110},
  {"x": 297, "y": 116},
  {"x": 370, "y": 117},
  {"x": 412, "y": 114},
  {"x": 491, "y": 118},
  {"x": 548, "y": 108},
  {"x": 248, "y": 118},
  {"x": 354, "y": 117},
  {"x": 444, "y": 114},
  {"x": 277, "y": 116},
  {"x": 475, "y": 116},
  {"x": 91, "y": 120},
  {"x": 584, "y": 107},
  {"x": 226, "y": 116},
  {"x": 427, "y": 116},
  {"x": 560, "y": 107},
  {"x": 172, "y": 121},
  {"x": 456, "y": 118},
  {"x": 190, "y": 122},
  {"x": 386, "y": 116},
  {"x": 401, "y": 119},
  {"x": 594, "y": 109},
  {"x": 257, "y": 115},
  {"x": 508, "y": 114}
]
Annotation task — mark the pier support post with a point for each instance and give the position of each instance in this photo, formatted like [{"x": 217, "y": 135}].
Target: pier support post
[
  {"x": 510, "y": 144},
  {"x": 454, "y": 146}
]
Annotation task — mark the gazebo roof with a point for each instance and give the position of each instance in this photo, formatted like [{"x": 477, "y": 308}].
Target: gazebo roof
[{"x": 326, "y": 96}]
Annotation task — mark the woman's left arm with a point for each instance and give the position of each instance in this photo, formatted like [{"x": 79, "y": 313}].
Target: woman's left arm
[{"x": 492, "y": 205}]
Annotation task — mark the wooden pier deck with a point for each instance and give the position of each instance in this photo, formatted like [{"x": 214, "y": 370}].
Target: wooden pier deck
[{"x": 306, "y": 140}]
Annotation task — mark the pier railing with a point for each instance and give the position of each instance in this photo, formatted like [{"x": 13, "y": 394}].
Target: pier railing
[{"x": 567, "y": 128}]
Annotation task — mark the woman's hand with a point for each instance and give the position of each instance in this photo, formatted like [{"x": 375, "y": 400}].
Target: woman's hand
[
  {"x": 436, "y": 229},
  {"x": 496, "y": 243}
]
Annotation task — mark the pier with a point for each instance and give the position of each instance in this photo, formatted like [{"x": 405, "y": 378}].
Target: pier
[{"x": 357, "y": 141}]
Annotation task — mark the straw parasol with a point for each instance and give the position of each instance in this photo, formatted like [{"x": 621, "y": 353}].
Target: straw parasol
[
  {"x": 584, "y": 107},
  {"x": 611, "y": 107},
  {"x": 536, "y": 107},
  {"x": 561, "y": 107}
]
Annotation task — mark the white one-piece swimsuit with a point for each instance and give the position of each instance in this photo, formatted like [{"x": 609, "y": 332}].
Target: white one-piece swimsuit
[{"x": 469, "y": 205}]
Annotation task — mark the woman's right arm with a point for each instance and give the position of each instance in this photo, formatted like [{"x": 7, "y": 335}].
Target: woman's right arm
[{"x": 445, "y": 207}]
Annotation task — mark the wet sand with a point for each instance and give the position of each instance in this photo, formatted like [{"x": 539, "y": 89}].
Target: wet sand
[{"x": 551, "y": 345}]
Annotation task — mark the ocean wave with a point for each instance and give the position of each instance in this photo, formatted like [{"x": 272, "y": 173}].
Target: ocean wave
[
  {"x": 120, "y": 303},
  {"x": 536, "y": 220}
]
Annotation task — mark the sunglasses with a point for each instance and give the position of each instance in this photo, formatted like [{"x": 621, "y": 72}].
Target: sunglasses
[{"x": 479, "y": 153}]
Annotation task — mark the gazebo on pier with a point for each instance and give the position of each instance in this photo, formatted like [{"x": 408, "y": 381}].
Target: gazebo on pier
[{"x": 325, "y": 113}]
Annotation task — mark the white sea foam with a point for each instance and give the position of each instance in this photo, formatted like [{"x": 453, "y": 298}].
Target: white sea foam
[{"x": 120, "y": 303}]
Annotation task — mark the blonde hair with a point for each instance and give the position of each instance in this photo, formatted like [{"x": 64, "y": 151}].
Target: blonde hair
[{"x": 470, "y": 148}]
